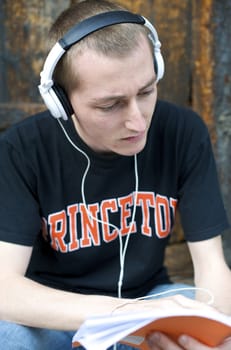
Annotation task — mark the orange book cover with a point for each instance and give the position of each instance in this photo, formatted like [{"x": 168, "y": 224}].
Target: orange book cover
[
  {"x": 210, "y": 328},
  {"x": 207, "y": 331}
]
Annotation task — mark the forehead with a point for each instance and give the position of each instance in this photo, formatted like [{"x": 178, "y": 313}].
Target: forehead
[{"x": 95, "y": 69}]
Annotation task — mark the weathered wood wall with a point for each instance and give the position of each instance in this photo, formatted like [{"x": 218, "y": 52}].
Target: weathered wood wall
[
  {"x": 211, "y": 86},
  {"x": 195, "y": 39}
]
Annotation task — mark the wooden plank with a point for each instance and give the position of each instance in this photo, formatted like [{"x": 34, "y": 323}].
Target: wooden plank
[
  {"x": 222, "y": 104},
  {"x": 203, "y": 63},
  {"x": 24, "y": 46},
  {"x": 211, "y": 86},
  {"x": 172, "y": 20},
  {"x": 178, "y": 256}
]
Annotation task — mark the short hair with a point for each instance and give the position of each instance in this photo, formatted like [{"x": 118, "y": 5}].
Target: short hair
[{"x": 115, "y": 41}]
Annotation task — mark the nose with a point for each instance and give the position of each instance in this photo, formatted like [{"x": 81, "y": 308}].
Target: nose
[{"x": 135, "y": 120}]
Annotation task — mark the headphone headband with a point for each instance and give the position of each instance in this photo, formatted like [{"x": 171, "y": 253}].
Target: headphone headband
[
  {"x": 95, "y": 23},
  {"x": 52, "y": 95}
]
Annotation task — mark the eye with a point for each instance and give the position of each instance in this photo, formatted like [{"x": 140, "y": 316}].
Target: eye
[
  {"x": 147, "y": 92},
  {"x": 110, "y": 107},
  {"x": 107, "y": 108}
]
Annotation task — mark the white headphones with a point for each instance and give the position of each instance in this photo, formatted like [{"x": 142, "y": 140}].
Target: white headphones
[{"x": 53, "y": 95}]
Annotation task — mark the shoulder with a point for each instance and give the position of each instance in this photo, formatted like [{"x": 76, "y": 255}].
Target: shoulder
[
  {"x": 172, "y": 113},
  {"x": 31, "y": 140},
  {"x": 178, "y": 122},
  {"x": 28, "y": 126},
  {"x": 30, "y": 131},
  {"x": 178, "y": 133}
]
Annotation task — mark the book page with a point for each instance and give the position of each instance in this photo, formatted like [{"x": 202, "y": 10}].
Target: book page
[{"x": 210, "y": 328}]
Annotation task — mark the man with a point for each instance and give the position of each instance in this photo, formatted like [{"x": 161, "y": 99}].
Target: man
[{"x": 88, "y": 201}]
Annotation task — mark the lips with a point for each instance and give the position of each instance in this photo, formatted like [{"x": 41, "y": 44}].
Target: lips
[{"x": 134, "y": 138}]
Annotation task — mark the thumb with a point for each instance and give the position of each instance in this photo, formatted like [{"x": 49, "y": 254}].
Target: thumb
[
  {"x": 189, "y": 343},
  {"x": 226, "y": 345}
]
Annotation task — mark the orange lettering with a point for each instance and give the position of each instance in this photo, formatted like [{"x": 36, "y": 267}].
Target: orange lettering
[
  {"x": 72, "y": 211},
  {"x": 173, "y": 204},
  {"x": 162, "y": 216},
  {"x": 124, "y": 202},
  {"x": 145, "y": 200},
  {"x": 105, "y": 207},
  {"x": 89, "y": 225},
  {"x": 58, "y": 224}
]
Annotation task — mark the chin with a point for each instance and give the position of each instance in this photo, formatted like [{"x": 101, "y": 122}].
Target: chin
[
  {"x": 131, "y": 152},
  {"x": 131, "y": 149}
]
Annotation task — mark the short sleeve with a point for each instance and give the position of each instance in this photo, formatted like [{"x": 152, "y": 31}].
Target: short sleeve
[
  {"x": 200, "y": 202},
  {"x": 20, "y": 221}
]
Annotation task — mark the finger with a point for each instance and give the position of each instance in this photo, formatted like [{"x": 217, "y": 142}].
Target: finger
[
  {"x": 226, "y": 345},
  {"x": 160, "y": 341},
  {"x": 189, "y": 343},
  {"x": 154, "y": 347}
]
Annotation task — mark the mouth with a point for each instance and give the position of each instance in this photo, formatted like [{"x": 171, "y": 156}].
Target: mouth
[{"x": 134, "y": 138}]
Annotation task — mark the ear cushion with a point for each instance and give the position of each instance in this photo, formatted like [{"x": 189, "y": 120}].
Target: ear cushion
[
  {"x": 63, "y": 99},
  {"x": 158, "y": 64},
  {"x": 52, "y": 102}
]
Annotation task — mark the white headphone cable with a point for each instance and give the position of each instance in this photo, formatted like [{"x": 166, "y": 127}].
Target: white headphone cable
[{"x": 123, "y": 249}]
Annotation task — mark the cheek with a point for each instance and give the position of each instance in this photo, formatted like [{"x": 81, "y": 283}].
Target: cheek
[
  {"x": 98, "y": 128},
  {"x": 151, "y": 109}
]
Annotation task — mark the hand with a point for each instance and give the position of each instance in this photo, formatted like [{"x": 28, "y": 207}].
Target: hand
[{"x": 159, "y": 341}]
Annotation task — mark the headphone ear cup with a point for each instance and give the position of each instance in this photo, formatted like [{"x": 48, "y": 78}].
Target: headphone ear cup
[
  {"x": 158, "y": 64},
  {"x": 63, "y": 100},
  {"x": 56, "y": 101},
  {"x": 157, "y": 56}
]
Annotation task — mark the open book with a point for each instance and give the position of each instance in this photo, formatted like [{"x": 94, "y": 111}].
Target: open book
[{"x": 209, "y": 327}]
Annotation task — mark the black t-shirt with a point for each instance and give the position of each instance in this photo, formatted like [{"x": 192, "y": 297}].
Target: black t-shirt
[{"x": 41, "y": 202}]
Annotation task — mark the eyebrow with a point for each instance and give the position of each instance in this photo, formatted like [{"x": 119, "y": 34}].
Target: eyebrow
[
  {"x": 149, "y": 83},
  {"x": 115, "y": 97}
]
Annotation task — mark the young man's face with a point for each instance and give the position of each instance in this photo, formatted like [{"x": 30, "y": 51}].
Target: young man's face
[{"x": 115, "y": 100}]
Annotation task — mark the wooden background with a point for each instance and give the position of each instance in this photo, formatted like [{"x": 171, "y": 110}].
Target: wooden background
[{"x": 195, "y": 36}]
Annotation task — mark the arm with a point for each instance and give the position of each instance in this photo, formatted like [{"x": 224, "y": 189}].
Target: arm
[
  {"x": 26, "y": 302},
  {"x": 212, "y": 272},
  {"x": 29, "y": 303}
]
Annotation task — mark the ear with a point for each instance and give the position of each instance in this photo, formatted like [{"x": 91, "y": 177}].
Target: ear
[{"x": 63, "y": 99}]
